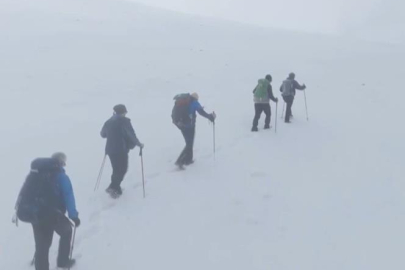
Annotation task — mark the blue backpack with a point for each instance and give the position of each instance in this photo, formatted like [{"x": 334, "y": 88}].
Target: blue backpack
[{"x": 38, "y": 197}]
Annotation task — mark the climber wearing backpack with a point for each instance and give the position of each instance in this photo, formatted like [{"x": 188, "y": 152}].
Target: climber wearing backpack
[
  {"x": 45, "y": 197},
  {"x": 288, "y": 89},
  {"x": 262, "y": 93},
  {"x": 121, "y": 138},
  {"x": 184, "y": 115}
]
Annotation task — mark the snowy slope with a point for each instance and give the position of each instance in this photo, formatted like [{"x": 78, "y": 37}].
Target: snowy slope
[{"x": 323, "y": 194}]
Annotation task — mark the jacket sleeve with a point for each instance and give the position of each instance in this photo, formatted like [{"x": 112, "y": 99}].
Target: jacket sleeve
[
  {"x": 201, "y": 111},
  {"x": 130, "y": 135},
  {"x": 103, "y": 132},
  {"x": 270, "y": 92},
  {"x": 281, "y": 88},
  {"x": 254, "y": 90},
  {"x": 68, "y": 196},
  {"x": 298, "y": 86}
]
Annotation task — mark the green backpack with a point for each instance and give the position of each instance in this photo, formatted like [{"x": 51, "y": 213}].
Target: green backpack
[{"x": 261, "y": 89}]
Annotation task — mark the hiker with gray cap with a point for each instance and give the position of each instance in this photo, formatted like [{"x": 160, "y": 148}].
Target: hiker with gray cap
[
  {"x": 288, "y": 89},
  {"x": 121, "y": 138}
]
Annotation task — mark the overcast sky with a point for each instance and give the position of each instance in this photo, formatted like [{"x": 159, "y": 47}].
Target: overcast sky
[{"x": 310, "y": 15}]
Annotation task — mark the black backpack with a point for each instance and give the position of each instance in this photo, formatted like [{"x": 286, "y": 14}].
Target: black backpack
[
  {"x": 39, "y": 196},
  {"x": 181, "y": 110}
]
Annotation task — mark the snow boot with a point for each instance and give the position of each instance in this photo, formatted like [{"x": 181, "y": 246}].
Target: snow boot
[
  {"x": 189, "y": 162},
  {"x": 255, "y": 129},
  {"x": 115, "y": 193},
  {"x": 266, "y": 127},
  {"x": 180, "y": 166},
  {"x": 68, "y": 264}
]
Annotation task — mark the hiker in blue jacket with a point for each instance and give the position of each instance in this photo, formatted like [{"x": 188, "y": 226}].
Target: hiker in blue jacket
[
  {"x": 68, "y": 202},
  {"x": 56, "y": 221},
  {"x": 187, "y": 127}
]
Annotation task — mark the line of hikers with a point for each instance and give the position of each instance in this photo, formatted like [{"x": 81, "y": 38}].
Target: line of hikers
[
  {"x": 263, "y": 93},
  {"x": 47, "y": 192}
]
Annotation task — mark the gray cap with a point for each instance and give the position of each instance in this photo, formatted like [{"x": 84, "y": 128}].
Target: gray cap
[
  {"x": 60, "y": 157},
  {"x": 120, "y": 109}
]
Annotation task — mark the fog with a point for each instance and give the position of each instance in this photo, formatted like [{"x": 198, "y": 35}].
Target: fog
[{"x": 370, "y": 19}]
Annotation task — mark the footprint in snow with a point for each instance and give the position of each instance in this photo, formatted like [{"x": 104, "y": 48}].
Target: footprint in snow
[
  {"x": 94, "y": 216},
  {"x": 258, "y": 175},
  {"x": 88, "y": 233},
  {"x": 252, "y": 221},
  {"x": 108, "y": 206},
  {"x": 152, "y": 175},
  {"x": 237, "y": 202},
  {"x": 266, "y": 196},
  {"x": 137, "y": 185}
]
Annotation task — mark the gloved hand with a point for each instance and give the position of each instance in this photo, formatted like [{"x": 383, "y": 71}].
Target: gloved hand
[
  {"x": 141, "y": 145},
  {"x": 305, "y": 87},
  {"x": 15, "y": 220},
  {"x": 212, "y": 117},
  {"x": 276, "y": 100},
  {"x": 76, "y": 221}
]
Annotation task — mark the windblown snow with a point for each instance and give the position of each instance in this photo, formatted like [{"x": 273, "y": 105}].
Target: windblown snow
[{"x": 327, "y": 193}]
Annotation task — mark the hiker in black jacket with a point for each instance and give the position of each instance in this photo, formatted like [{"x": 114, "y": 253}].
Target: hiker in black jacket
[
  {"x": 288, "y": 90},
  {"x": 121, "y": 138}
]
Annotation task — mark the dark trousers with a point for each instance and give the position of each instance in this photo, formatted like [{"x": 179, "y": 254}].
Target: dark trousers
[
  {"x": 289, "y": 100},
  {"x": 43, "y": 234},
  {"x": 119, "y": 163},
  {"x": 259, "y": 108},
  {"x": 186, "y": 155}
]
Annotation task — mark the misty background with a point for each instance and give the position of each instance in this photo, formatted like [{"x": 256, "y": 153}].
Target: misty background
[{"x": 377, "y": 20}]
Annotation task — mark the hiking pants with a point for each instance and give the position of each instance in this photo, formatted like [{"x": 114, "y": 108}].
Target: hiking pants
[
  {"x": 119, "y": 163},
  {"x": 43, "y": 234},
  {"x": 289, "y": 101},
  {"x": 259, "y": 108},
  {"x": 186, "y": 155}
]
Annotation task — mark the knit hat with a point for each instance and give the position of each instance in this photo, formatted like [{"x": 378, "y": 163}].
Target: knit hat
[
  {"x": 195, "y": 95},
  {"x": 120, "y": 109},
  {"x": 60, "y": 157},
  {"x": 268, "y": 77},
  {"x": 291, "y": 76}
]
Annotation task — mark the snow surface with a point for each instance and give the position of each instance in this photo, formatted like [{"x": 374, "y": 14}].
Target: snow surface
[{"x": 323, "y": 194}]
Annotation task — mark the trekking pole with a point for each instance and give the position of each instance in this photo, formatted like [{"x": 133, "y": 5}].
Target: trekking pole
[
  {"x": 33, "y": 260},
  {"x": 73, "y": 243},
  {"x": 100, "y": 174},
  {"x": 275, "y": 124},
  {"x": 143, "y": 174},
  {"x": 306, "y": 107},
  {"x": 282, "y": 114},
  {"x": 213, "y": 137}
]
